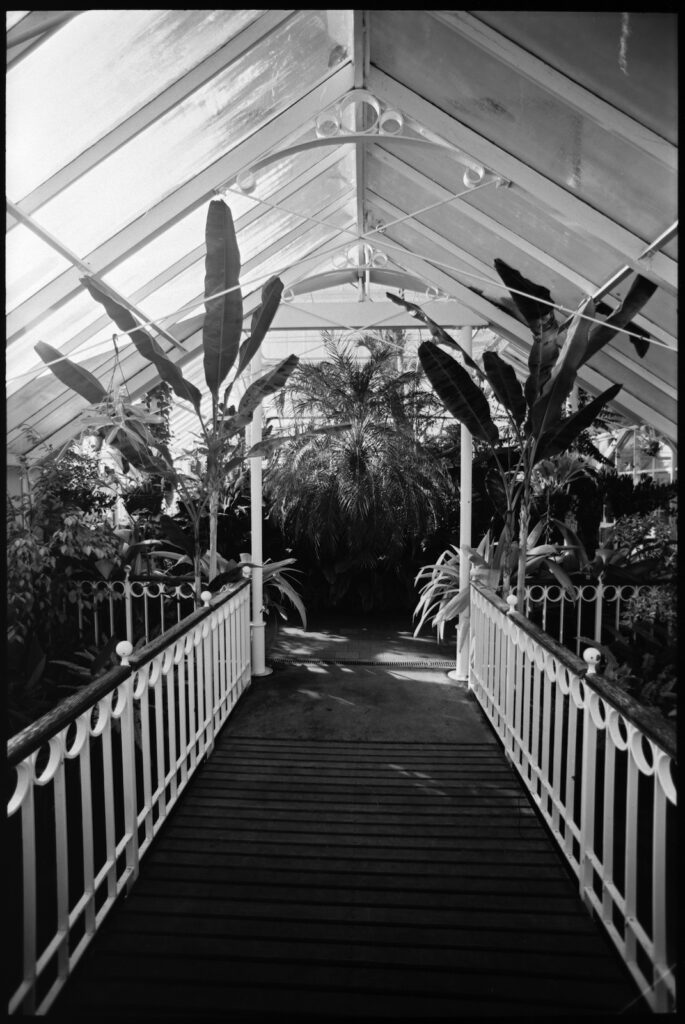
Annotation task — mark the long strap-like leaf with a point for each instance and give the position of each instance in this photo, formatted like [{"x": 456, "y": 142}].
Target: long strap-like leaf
[
  {"x": 457, "y": 392},
  {"x": 505, "y": 384},
  {"x": 146, "y": 345},
  {"x": 224, "y": 316},
  {"x": 271, "y": 382},
  {"x": 74, "y": 376},
  {"x": 439, "y": 333},
  {"x": 566, "y": 431},
  {"x": 262, "y": 319},
  {"x": 546, "y": 411},
  {"x": 638, "y": 295}
]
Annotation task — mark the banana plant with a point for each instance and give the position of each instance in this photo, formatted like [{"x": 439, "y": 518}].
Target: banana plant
[
  {"x": 539, "y": 425},
  {"x": 126, "y": 426}
]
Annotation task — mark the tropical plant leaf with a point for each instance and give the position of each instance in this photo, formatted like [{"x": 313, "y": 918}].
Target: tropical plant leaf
[
  {"x": 641, "y": 343},
  {"x": 546, "y": 410},
  {"x": 637, "y": 296},
  {"x": 262, "y": 319},
  {"x": 268, "y": 384},
  {"x": 177, "y": 536},
  {"x": 505, "y": 384},
  {"x": 561, "y": 577},
  {"x": 74, "y": 376},
  {"x": 224, "y": 316},
  {"x": 457, "y": 392},
  {"x": 565, "y": 432},
  {"x": 572, "y": 540},
  {"x": 539, "y": 315},
  {"x": 438, "y": 332},
  {"x": 145, "y": 343}
]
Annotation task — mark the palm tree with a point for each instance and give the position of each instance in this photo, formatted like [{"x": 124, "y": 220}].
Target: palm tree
[{"x": 361, "y": 501}]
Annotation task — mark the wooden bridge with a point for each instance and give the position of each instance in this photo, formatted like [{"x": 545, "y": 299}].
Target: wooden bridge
[{"x": 357, "y": 844}]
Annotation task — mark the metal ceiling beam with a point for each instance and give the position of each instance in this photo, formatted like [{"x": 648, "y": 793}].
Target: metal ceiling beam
[
  {"x": 563, "y": 205},
  {"x": 608, "y": 117},
  {"x": 33, "y": 30},
  {"x": 284, "y": 126},
  {"x": 498, "y": 230},
  {"x": 431, "y": 236},
  {"x": 178, "y": 91}
]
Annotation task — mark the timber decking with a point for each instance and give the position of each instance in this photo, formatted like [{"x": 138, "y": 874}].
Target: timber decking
[{"x": 325, "y": 878}]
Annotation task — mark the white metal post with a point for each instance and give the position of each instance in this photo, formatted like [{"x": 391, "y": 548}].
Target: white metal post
[
  {"x": 461, "y": 672},
  {"x": 259, "y": 667}
]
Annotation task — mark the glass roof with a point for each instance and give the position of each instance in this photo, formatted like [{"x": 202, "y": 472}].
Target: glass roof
[{"x": 122, "y": 126}]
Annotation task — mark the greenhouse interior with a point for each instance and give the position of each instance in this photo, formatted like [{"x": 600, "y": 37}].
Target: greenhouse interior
[{"x": 341, "y": 512}]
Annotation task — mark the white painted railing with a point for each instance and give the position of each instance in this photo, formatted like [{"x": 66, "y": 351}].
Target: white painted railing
[
  {"x": 136, "y": 609},
  {"x": 601, "y": 771},
  {"x": 95, "y": 779},
  {"x": 593, "y": 609}
]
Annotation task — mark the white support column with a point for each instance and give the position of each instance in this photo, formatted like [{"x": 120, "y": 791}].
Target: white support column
[
  {"x": 461, "y": 672},
  {"x": 259, "y": 667}
]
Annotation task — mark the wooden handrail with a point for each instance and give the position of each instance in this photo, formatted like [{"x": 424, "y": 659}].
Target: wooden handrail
[
  {"x": 651, "y": 723},
  {"x": 43, "y": 729}
]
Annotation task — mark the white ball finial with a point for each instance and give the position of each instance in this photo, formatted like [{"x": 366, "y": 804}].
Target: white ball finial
[
  {"x": 592, "y": 658},
  {"x": 511, "y": 601},
  {"x": 124, "y": 651},
  {"x": 206, "y": 596}
]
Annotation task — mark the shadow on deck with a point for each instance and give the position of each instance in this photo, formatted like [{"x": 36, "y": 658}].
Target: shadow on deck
[{"x": 356, "y": 845}]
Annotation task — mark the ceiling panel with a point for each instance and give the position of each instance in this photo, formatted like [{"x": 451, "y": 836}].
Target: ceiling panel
[{"x": 123, "y": 125}]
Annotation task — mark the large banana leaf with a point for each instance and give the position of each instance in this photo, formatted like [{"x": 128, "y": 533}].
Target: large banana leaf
[
  {"x": 641, "y": 343},
  {"x": 262, "y": 319},
  {"x": 271, "y": 382},
  {"x": 74, "y": 376},
  {"x": 540, "y": 317},
  {"x": 566, "y": 431},
  {"x": 546, "y": 411},
  {"x": 224, "y": 316},
  {"x": 505, "y": 384},
  {"x": 437, "y": 331},
  {"x": 457, "y": 392},
  {"x": 537, "y": 314},
  {"x": 637, "y": 296},
  {"x": 146, "y": 345}
]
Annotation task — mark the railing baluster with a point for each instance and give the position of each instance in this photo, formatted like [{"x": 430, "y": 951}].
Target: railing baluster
[{"x": 561, "y": 694}]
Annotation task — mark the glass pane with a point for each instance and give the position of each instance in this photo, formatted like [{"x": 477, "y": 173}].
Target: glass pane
[
  {"x": 632, "y": 62},
  {"x": 13, "y": 17},
  {"x": 533, "y": 124},
  {"x": 92, "y": 74},
  {"x": 69, "y": 326},
  {"x": 192, "y": 136},
  {"x": 29, "y": 264}
]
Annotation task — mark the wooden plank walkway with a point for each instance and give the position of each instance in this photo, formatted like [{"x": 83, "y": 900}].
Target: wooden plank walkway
[{"x": 323, "y": 873}]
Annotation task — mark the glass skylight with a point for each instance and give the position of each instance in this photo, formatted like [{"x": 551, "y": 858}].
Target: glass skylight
[{"x": 97, "y": 70}]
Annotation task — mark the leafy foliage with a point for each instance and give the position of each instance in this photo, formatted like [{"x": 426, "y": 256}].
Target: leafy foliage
[
  {"x": 359, "y": 499},
  {"x": 557, "y": 351}
]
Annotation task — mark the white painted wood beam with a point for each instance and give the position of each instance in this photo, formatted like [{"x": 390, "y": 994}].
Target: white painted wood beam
[
  {"x": 569, "y": 92},
  {"x": 567, "y": 208},
  {"x": 377, "y": 315},
  {"x": 156, "y": 108},
  {"x": 284, "y": 127}
]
